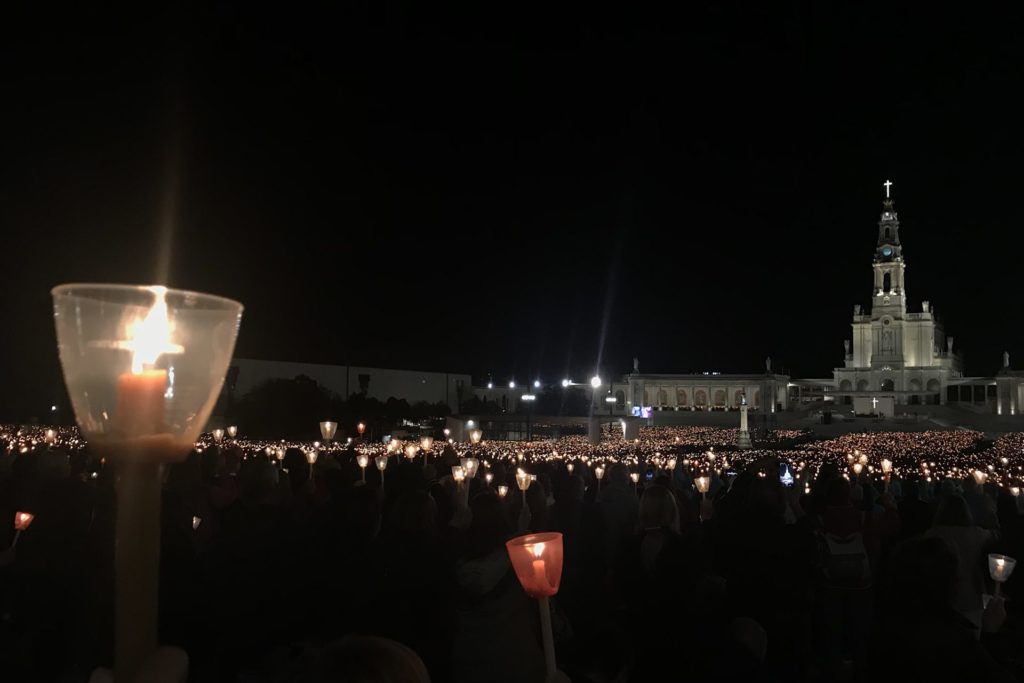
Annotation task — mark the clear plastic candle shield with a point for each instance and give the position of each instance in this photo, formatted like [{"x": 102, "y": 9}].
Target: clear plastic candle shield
[
  {"x": 143, "y": 365},
  {"x": 537, "y": 560}
]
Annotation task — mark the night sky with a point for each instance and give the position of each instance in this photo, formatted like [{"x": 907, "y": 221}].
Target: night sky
[{"x": 514, "y": 189}]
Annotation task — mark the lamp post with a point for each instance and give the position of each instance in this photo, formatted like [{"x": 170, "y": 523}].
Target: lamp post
[
  {"x": 609, "y": 401},
  {"x": 537, "y": 560},
  {"x": 143, "y": 366},
  {"x": 529, "y": 399}
]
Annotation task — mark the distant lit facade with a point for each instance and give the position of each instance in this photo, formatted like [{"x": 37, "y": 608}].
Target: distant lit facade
[{"x": 896, "y": 354}]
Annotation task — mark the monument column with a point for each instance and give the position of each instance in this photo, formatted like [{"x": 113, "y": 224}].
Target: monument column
[{"x": 743, "y": 439}]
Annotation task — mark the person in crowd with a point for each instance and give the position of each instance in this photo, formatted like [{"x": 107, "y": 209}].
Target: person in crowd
[{"x": 954, "y": 523}]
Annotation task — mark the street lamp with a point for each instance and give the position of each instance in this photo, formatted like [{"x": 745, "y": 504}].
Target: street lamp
[
  {"x": 529, "y": 399},
  {"x": 512, "y": 384},
  {"x": 536, "y": 384},
  {"x": 566, "y": 383},
  {"x": 595, "y": 381}
]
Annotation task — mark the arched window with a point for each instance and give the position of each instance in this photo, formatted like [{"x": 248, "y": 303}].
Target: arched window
[
  {"x": 681, "y": 398},
  {"x": 620, "y": 399},
  {"x": 862, "y": 385},
  {"x": 887, "y": 283},
  {"x": 700, "y": 398},
  {"x": 888, "y": 385},
  {"x": 887, "y": 233},
  {"x": 720, "y": 397},
  {"x": 662, "y": 397},
  {"x": 845, "y": 385}
]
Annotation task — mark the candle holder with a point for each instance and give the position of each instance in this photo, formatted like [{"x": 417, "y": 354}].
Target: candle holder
[
  {"x": 475, "y": 435},
  {"x": 426, "y": 445},
  {"x": 232, "y": 431},
  {"x": 599, "y": 473},
  {"x": 218, "y": 435},
  {"x": 411, "y": 451},
  {"x": 502, "y": 490},
  {"x": 143, "y": 367},
  {"x": 327, "y": 430},
  {"x": 22, "y": 521},
  {"x": 523, "y": 481},
  {"x": 537, "y": 560},
  {"x": 471, "y": 465},
  {"x": 363, "y": 460},
  {"x": 635, "y": 478},
  {"x": 999, "y": 568},
  {"x": 382, "y": 464},
  {"x": 196, "y": 521},
  {"x": 459, "y": 475}
]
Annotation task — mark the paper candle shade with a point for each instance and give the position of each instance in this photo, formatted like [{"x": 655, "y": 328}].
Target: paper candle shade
[
  {"x": 22, "y": 520},
  {"x": 502, "y": 490},
  {"x": 886, "y": 466},
  {"x": 327, "y": 429},
  {"x": 471, "y": 465},
  {"x": 599, "y": 472},
  {"x": 232, "y": 431},
  {"x": 475, "y": 436},
  {"x": 427, "y": 443},
  {"x": 196, "y": 521},
  {"x": 362, "y": 460},
  {"x": 1000, "y": 567},
  {"x": 458, "y": 473},
  {"x": 143, "y": 365},
  {"x": 218, "y": 435},
  {"x": 522, "y": 480},
  {"x": 381, "y": 462},
  {"x": 311, "y": 456},
  {"x": 634, "y": 477},
  {"x": 411, "y": 450},
  {"x": 702, "y": 484},
  {"x": 537, "y": 560}
]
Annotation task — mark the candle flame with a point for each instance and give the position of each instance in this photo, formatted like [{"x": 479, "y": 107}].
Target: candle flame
[
  {"x": 150, "y": 337},
  {"x": 538, "y": 550}
]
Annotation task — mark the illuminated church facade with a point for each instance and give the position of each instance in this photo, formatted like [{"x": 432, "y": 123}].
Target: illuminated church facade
[{"x": 895, "y": 355}]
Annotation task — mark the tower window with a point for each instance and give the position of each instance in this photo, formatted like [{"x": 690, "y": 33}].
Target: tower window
[
  {"x": 887, "y": 283},
  {"x": 887, "y": 233}
]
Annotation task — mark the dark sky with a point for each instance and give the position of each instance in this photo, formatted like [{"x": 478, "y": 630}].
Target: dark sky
[{"x": 514, "y": 189}]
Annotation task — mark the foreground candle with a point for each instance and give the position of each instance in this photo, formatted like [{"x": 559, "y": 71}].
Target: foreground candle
[{"x": 143, "y": 367}]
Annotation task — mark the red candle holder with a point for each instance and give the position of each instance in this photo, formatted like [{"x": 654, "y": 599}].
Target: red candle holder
[{"x": 537, "y": 560}]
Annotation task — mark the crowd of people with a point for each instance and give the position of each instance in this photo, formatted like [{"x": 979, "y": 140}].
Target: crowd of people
[{"x": 291, "y": 562}]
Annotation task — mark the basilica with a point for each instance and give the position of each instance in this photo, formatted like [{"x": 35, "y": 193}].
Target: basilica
[
  {"x": 894, "y": 360},
  {"x": 897, "y": 356}
]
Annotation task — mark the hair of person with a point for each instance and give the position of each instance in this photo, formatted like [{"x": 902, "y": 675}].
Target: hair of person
[
  {"x": 953, "y": 511},
  {"x": 364, "y": 659},
  {"x": 658, "y": 509}
]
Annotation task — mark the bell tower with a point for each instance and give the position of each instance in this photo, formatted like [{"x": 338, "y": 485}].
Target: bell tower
[{"x": 889, "y": 295}]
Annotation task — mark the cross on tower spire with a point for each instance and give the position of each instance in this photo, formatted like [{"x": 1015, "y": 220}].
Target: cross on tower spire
[{"x": 887, "y": 184}]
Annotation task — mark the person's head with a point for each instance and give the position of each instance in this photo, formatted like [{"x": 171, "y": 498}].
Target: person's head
[
  {"x": 953, "y": 511},
  {"x": 259, "y": 482},
  {"x": 362, "y": 512},
  {"x": 837, "y": 492},
  {"x": 363, "y": 659},
  {"x": 415, "y": 512},
  {"x": 924, "y": 573},
  {"x": 489, "y": 526},
  {"x": 658, "y": 509},
  {"x": 618, "y": 474},
  {"x": 572, "y": 489}
]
